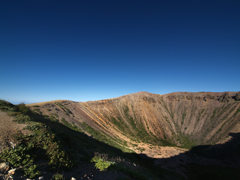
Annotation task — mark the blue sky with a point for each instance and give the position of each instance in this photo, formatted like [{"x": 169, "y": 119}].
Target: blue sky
[{"x": 92, "y": 50}]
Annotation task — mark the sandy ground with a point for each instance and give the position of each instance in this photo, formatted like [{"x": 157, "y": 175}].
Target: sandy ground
[{"x": 161, "y": 151}]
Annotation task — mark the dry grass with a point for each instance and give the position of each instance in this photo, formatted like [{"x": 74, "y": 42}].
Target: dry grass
[
  {"x": 42, "y": 103},
  {"x": 7, "y": 130}
]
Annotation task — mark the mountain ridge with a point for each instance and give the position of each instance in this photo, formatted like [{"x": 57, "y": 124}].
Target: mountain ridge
[
  {"x": 181, "y": 132},
  {"x": 181, "y": 119}
]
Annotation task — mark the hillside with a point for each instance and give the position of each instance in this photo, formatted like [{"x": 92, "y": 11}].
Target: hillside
[
  {"x": 176, "y": 119},
  {"x": 139, "y": 136},
  {"x": 35, "y": 146}
]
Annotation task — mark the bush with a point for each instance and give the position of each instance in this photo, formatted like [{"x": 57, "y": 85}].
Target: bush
[
  {"x": 31, "y": 171},
  {"x": 101, "y": 164},
  {"x": 6, "y": 106},
  {"x": 57, "y": 177},
  {"x": 23, "y": 108},
  {"x": 19, "y": 157},
  {"x": 22, "y": 118},
  {"x": 11, "y": 113}
]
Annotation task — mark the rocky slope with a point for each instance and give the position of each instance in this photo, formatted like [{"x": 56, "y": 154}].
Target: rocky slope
[{"x": 182, "y": 118}]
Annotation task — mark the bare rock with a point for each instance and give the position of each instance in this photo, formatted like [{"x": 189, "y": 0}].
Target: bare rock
[
  {"x": 208, "y": 97},
  {"x": 190, "y": 97},
  {"x": 237, "y": 97},
  {"x": 198, "y": 98},
  {"x": 4, "y": 167},
  {"x": 224, "y": 98},
  {"x": 12, "y": 171},
  {"x": 172, "y": 98}
]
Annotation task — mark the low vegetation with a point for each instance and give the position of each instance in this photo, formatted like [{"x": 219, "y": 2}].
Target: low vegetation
[
  {"x": 101, "y": 164},
  {"x": 64, "y": 108},
  {"x": 58, "y": 177}
]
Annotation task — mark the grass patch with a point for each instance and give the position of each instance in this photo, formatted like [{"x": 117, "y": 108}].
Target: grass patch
[
  {"x": 183, "y": 116},
  {"x": 238, "y": 110},
  {"x": 214, "y": 113},
  {"x": 200, "y": 114},
  {"x": 69, "y": 125},
  {"x": 186, "y": 141}
]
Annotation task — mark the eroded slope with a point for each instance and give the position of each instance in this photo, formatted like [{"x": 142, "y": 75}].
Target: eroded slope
[{"x": 183, "y": 119}]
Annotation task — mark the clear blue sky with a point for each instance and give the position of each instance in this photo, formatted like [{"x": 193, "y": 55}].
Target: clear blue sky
[{"x": 90, "y": 49}]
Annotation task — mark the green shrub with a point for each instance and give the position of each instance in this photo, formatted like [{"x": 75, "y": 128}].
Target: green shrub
[
  {"x": 101, "y": 164},
  {"x": 21, "y": 118},
  {"x": 31, "y": 171},
  {"x": 46, "y": 116},
  {"x": 20, "y": 157},
  {"x": 23, "y": 108},
  {"x": 7, "y": 106},
  {"x": 57, "y": 177},
  {"x": 11, "y": 113}
]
